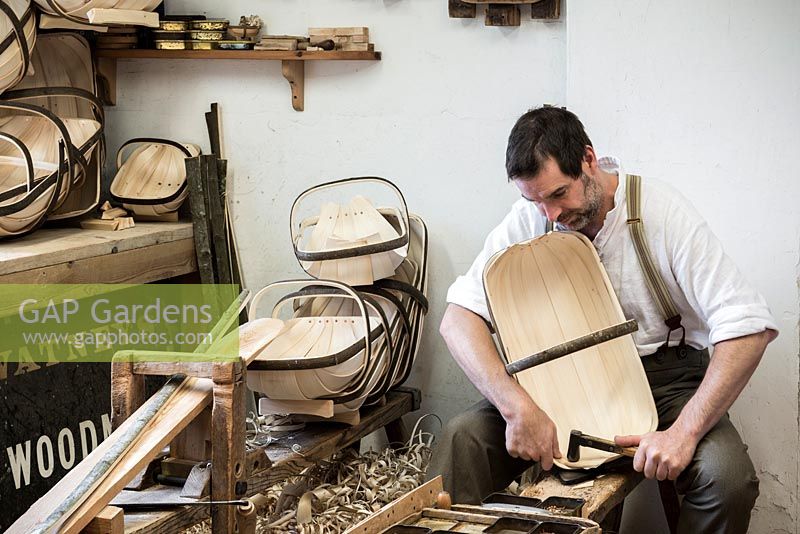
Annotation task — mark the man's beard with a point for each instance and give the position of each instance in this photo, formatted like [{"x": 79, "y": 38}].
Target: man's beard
[{"x": 577, "y": 220}]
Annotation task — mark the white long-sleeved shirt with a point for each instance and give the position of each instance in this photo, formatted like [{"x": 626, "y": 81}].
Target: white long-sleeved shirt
[{"x": 714, "y": 299}]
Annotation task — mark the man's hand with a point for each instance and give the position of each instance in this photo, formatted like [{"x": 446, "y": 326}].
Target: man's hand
[
  {"x": 531, "y": 434},
  {"x": 661, "y": 455}
]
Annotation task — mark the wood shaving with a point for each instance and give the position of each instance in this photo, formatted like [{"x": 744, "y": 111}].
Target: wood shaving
[{"x": 338, "y": 493}]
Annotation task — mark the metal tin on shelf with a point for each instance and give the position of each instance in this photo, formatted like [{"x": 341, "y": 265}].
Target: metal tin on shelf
[
  {"x": 171, "y": 45},
  {"x": 209, "y": 25},
  {"x": 202, "y": 45},
  {"x": 236, "y": 45},
  {"x": 207, "y": 35},
  {"x": 174, "y": 25},
  {"x": 168, "y": 35}
]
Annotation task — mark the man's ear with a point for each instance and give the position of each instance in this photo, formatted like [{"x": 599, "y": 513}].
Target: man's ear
[{"x": 589, "y": 159}]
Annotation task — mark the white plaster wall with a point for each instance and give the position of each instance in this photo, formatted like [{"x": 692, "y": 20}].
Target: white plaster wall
[
  {"x": 707, "y": 95},
  {"x": 433, "y": 116}
]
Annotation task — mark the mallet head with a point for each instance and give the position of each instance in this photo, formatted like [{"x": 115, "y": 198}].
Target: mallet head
[{"x": 574, "y": 448}]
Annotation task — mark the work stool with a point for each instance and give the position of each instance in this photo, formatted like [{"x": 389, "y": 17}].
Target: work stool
[{"x": 605, "y": 498}]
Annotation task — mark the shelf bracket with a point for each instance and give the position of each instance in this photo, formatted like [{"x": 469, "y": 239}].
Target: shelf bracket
[{"x": 294, "y": 72}]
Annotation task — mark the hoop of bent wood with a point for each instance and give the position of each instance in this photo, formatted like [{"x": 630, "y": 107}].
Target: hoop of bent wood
[
  {"x": 353, "y": 243},
  {"x": 316, "y": 357},
  {"x": 17, "y": 41},
  {"x": 552, "y": 290}
]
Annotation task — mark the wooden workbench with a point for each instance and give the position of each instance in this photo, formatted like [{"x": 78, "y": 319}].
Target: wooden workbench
[
  {"x": 145, "y": 253},
  {"x": 316, "y": 442}
]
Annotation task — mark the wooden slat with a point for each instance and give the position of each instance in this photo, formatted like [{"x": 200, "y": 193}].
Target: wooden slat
[
  {"x": 196, "y": 181},
  {"x": 52, "y": 246},
  {"x": 413, "y": 501},
  {"x": 134, "y": 266}
]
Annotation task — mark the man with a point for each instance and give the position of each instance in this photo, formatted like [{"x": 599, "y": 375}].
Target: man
[{"x": 553, "y": 164}]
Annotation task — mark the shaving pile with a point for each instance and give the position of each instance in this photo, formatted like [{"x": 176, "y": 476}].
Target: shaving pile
[{"x": 336, "y": 494}]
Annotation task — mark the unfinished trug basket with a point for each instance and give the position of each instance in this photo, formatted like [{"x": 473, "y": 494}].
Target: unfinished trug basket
[
  {"x": 317, "y": 357},
  {"x": 353, "y": 243},
  {"x": 152, "y": 180},
  {"x": 55, "y": 150},
  {"x": 553, "y": 289},
  {"x": 17, "y": 40}
]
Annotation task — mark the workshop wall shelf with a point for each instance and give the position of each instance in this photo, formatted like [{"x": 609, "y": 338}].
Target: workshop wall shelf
[{"x": 293, "y": 64}]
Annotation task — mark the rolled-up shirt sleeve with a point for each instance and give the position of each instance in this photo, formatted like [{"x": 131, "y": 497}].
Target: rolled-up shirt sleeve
[{"x": 711, "y": 282}]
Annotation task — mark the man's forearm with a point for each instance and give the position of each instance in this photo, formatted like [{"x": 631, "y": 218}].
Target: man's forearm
[
  {"x": 731, "y": 367},
  {"x": 471, "y": 344}
]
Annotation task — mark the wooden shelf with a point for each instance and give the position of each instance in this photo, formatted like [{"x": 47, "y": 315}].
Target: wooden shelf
[{"x": 292, "y": 64}]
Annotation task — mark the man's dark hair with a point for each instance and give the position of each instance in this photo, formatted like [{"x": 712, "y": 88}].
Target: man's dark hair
[{"x": 542, "y": 133}]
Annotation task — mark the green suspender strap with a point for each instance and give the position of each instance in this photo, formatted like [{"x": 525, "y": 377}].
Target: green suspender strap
[
  {"x": 654, "y": 281},
  {"x": 548, "y": 226}
]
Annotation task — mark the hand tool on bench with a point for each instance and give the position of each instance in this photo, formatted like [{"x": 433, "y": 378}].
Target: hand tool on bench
[
  {"x": 578, "y": 439},
  {"x": 574, "y": 345}
]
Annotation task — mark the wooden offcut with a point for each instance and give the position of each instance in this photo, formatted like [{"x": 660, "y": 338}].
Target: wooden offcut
[
  {"x": 110, "y": 520},
  {"x": 130, "y": 17}
]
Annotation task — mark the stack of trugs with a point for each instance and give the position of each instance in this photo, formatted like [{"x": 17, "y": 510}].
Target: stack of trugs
[
  {"x": 51, "y": 137},
  {"x": 110, "y": 219},
  {"x": 351, "y": 335},
  {"x": 346, "y": 39}
]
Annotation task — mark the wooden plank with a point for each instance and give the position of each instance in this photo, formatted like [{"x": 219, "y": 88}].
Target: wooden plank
[
  {"x": 457, "y": 9},
  {"x": 135, "y": 266},
  {"x": 546, "y": 9},
  {"x": 190, "y": 398},
  {"x": 110, "y": 520},
  {"x": 502, "y": 15},
  {"x": 227, "y": 448},
  {"x": 413, "y": 501},
  {"x": 142, "y": 265},
  {"x": 122, "y": 16},
  {"x": 216, "y": 214},
  {"x": 296, "y": 55},
  {"x": 195, "y": 177},
  {"x": 51, "y": 246},
  {"x": 127, "y": 392}
]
